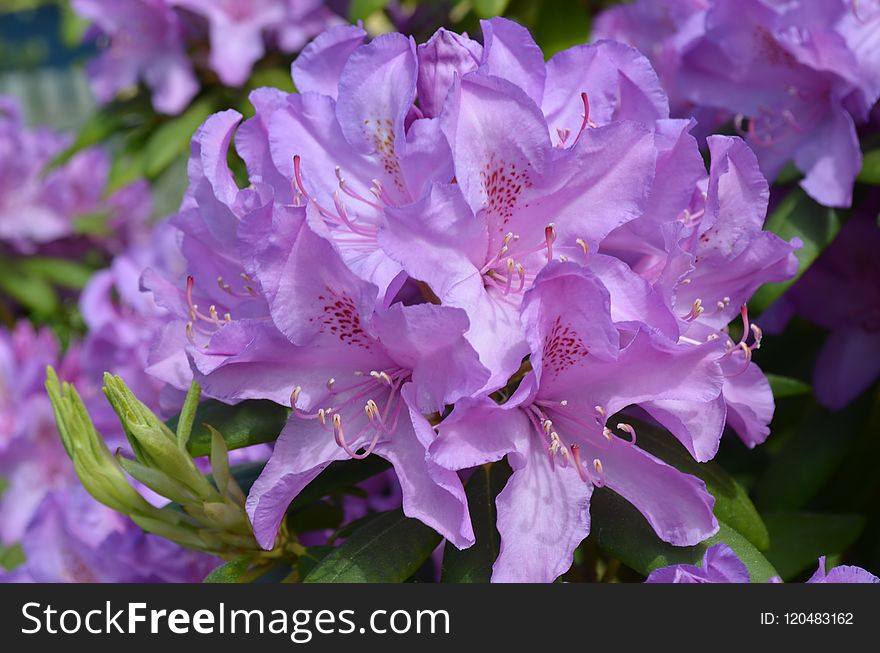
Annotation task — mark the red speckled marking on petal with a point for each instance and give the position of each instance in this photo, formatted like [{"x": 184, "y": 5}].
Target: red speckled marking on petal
[
  {"x": 380, "y": 133},
  {"x": 504, "y": 184},
  {"x": 341, "y": 318},
  {"x": 563, "y": 348}
]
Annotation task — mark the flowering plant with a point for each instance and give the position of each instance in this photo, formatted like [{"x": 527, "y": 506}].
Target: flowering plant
[{"x": 454, "y": 311}]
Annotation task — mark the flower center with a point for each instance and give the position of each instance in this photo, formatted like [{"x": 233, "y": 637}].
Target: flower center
[
  {"x": 379, "y": 394},
  {"x": 505, "y": 270},
  {"x": 338, "y": 218},
  {"x": 554, "y": 422}
]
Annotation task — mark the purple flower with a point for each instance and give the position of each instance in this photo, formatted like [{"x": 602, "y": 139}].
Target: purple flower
[
  {"x": 362, "y": 377},
  {"x": 350, "y": 145},
  {"x": 587, "y": 364},
  {"x": 239, "y": 30},
  {"x": 480, "y": 242},
  {"x": 841, "y": 293},
  {"x": 720, "y": 565},
  {"x": 663, "y": 30},
  {"x": 123, "y": 324},
  {"x": 263, "y": 337},
  {"x": 75, "y": 539},
  {"x": 212, "y": 282},
  {"x": 38, "y": 212},
  {"x": 707, "y": 262},
  {"x": 32, "y": 459},
  {"x": 26, "y": 217},
  {"x": 842, "y": 574},
  {"x": 145, "y": 43},
  {"x": 798, "y": 76},
  {"x": 401, "y": 252}
]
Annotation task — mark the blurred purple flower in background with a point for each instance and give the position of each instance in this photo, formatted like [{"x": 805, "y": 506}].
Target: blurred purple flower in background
[
  {"x": 840, "y": 292},
  {"x": 159, "y": 42},
  {"x": 797, "y": 76},
  {"x": 39, "y": 209},
  {"x": 65, "y": 535},
  {"x": 144, "y": 42},
  {"x": 239, "y": 30}
]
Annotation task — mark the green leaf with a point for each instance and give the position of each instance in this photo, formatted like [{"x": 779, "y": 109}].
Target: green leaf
[
  {"x": 363, "y": 9},
  {"x": 11, "y": 557},
  {"x": 234, "y": 571},
  {"x": 61, "y": 272},
  {"x": 172, "y": 138},
  {"x": 97, "y": 129},
  {"x": 808, "y": 458},
  {"x": 785, "y": 386},
  {"x": 870, "y": 173},
  {"x": 387, "y": 550},
  {"x": 255, "y": 421},
  {"x": 798, "y": 216},
  {"x": 73, "y": 26},
  {"x": 622, "y": 532},
  {"x": 187, "y": 416},
  {"x": 312, "y": 558},
  {"x": 33, "y": 293},
  {"x": 732, "y": 503},
  {"x": 474, "y": 564},
  {"x": 788, "y": 174},
  {"x": 490, "y": 8},
  {"x": 274, "y": 78},
  {"x": 357, "y": 524},
  {"x": 797, "y": 539},
  {"x": 561, "y": 24}
]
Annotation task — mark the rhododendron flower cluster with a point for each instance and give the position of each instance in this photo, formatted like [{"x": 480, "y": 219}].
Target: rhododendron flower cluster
[
  {"x": 454, "y": 253},
  {"x": 151, "y": 40},
  {"x": 795, "y": 77}
]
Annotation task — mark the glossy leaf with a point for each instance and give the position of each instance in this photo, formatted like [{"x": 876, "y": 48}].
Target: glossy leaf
[
  {"x": 808, "y": 458},
  {"x": 474, "y": 564},
  {"x": 622, "y": 532},
  {"x": 732, "y": 504},
  {"x": 311, "y": 558},
  {"x": 797, "y": 539},
  {"x": 387, "y": 550},
  {"x": 234, "y": 571},
  {"x": 785, "y": 386},
  {"x": 255, "y": 421}
]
